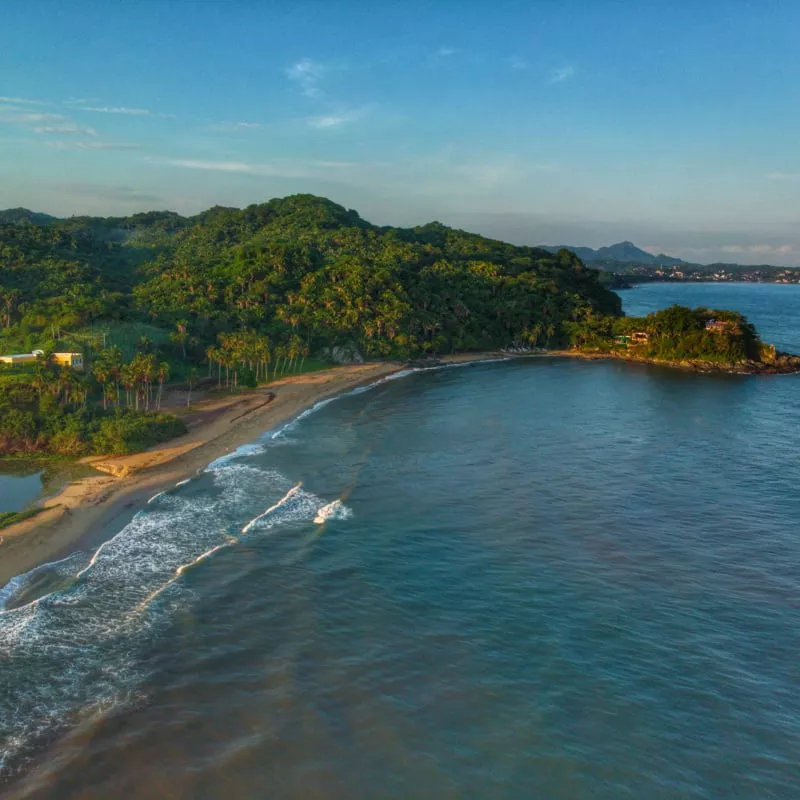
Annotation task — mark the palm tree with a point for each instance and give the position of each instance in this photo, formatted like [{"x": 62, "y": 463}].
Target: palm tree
[
  {"x": 162, "y": 374},
  {"x": 44, "y": 380},
  {"x": 192, "y": 381}
]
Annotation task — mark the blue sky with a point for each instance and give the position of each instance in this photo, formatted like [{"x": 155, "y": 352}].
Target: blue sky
[{"x": 672, "y": 124}]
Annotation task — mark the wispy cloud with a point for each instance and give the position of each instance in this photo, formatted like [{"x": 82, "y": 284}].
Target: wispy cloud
[
  {"x": 446, "y": 51},
  {"x": 336, "y": 164},
  {"x": 30, "y": 117},
  {"x": 80, "y": 101},
  {"x": 561, "y": 74},
  {"x": 333, "y": 121},
  {"x": 784, "y": 176},
  {"x": 133, "y": 112},
  {"x": 90, "y": 145},
  {"x": 758, "y": 249},
  {"x": 516, "y": 63},
  {"x": 110, "y": 192},
  {"x": 338, "y": 119},
  {"x": 306, "y": 75},
  {"x": 45, "y": 123},
  {"x": 325, "y": 170},
  {"x": 234, "y": 127},
  {"x": 72, "y": 144},
  {"x": 221, "y": 166},
  {"x": 22, "y": 101},
  {"x": 69, "y": 128}
]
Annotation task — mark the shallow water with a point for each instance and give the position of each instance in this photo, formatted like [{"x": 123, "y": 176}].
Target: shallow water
[
  {"x": 540, "y": 578},
  {"x": 23, "y": 482}
]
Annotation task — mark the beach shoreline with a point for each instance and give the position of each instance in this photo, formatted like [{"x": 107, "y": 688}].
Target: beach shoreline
[{"x": 89, "y": 511}]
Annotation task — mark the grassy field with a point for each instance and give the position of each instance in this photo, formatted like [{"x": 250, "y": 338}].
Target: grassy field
[{"x": 11, "y": 517}]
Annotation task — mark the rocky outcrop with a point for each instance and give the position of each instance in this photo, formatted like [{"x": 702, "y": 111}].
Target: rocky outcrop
[
  {"x": 343, "y": 354},
  {"x": 777, "y": 364}
]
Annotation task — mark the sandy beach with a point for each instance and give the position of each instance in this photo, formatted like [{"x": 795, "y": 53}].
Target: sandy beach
[{"x": 89, "y": 510}]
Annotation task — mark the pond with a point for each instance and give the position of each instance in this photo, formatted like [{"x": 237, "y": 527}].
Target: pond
[{"x": 25, "y": 481}]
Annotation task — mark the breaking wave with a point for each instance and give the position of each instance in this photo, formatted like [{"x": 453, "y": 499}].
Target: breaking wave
[
  {"x": 75, "y": 632},
  {"x": 334, "y": 510}
]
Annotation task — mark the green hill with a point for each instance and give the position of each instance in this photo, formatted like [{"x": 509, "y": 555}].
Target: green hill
[{"x": 300, "y": 266}]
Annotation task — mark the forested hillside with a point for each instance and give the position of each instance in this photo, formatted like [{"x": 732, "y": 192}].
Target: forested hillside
[
  {"x": 297, "y": 268},
  {"x": 237, "y": 295}
]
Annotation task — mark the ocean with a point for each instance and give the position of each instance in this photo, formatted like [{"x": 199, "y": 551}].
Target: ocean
[{"x": 541, "y": 578}]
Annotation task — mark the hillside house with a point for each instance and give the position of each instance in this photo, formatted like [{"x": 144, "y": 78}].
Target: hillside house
[
  {"x": 721, "y": 326},
  {"x": 640, "y": 337},
  {"x": 74, "y": 360}
]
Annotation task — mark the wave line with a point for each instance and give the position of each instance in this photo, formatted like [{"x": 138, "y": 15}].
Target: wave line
[
  {"x": 277, "y": 505},
  {"x": 179, "y": 571}
]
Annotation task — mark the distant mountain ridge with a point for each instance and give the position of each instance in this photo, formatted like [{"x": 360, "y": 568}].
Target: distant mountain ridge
[
  {"x": 13, "y": 216},
  {"x": 626, "y": 252}
]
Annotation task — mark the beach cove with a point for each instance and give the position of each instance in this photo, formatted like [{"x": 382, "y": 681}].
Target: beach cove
[
  {"x": 88, "y": 511},
  {"x": 82, "y": 513}
]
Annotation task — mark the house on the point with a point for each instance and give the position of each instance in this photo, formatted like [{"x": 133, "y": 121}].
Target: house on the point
[{"x": 721, "y": 326}]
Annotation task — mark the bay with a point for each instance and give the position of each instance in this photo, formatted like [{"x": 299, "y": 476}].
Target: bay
[{"x": 541, "y": 577}]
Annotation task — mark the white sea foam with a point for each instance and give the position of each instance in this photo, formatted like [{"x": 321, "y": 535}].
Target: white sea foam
[
  {"x": 303, "y": 414},
  {"x": 80, "y": 646},
  {"x": 473, "y": 363},
  {"x": 252, "y": 449},
  {"x": 64, "y": 566},
  {"x": 334, "y": 510},
  {"x": 156, "y": 496},
  {"x": 286, "y": 499},
  {"x": 78, "y": 649},
  {"x": 183, "y": 482}
]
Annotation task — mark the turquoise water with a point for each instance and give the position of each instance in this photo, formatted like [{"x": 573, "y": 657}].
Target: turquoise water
[{"x": 537, "y": 578}]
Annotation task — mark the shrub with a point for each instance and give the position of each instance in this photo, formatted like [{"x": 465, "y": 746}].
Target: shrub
[
  {"x": 125, "y": 432},
  {"x": 247, "y": 377}
]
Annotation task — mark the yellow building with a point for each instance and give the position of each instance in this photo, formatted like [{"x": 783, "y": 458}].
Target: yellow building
[{"x": 74, "y": 360}]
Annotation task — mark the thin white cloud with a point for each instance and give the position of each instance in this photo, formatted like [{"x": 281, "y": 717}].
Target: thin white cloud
[
  {"x": 306, "y": 74},
  {"x": 234, "y": 127},
  {"x": 338, "y": 119},
  {"x": 30, "y": 118},
  {"x": 336, "y": 164},
  {"x": 516, "y": 63},
  {"x": 72, "y": 144},
  {"x": 80, "y": 101},
  {"x": 45, "y": 123},
  {"x": 784, "y": 176},
  {"x": 133, "y": 112},
  {"x": 22, "y": 101},
  {"x": 758, "y": 249},
  {"x": 297, "y": 170},
  {"x": 445, "y": 51},
  {"x": 561, "y": 74},
  {"x": 220, "y": 166},
  {"x": 329, "y": 121},
  {"x": 69, "y": 128},
  {"x": 90, "y": 145}
]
